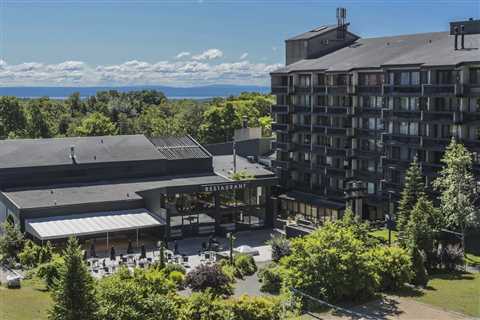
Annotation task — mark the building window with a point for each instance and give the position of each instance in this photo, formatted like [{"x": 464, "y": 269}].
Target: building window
[
  {"x": 475, "y": 76},
  {"x": 371, "y": 188}
]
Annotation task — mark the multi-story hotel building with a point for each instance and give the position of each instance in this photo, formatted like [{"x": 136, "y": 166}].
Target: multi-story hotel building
[{"x": 352, "y": 113}]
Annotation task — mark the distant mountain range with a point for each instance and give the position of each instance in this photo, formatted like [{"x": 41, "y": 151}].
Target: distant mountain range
[{"x": 200, "y": 92}]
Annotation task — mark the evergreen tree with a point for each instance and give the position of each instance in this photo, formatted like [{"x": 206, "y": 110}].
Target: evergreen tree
[
  {"x": 457, "y": 188},
  {"x": 413, "y": 189},
  {"x": 74, "y": 293}
]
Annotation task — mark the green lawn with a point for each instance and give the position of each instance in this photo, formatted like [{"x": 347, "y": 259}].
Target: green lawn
[
  {"x": 29, "y": 302},
  {"x": 457, "y": 292}
]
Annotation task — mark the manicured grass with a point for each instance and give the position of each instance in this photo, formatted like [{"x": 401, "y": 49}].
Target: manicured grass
[
  {"x": 458, "y": 292},
  {"x": 29, "y": 302}
]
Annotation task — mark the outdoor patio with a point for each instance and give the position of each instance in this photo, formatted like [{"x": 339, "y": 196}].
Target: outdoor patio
[{"x": 189, "y": 252}]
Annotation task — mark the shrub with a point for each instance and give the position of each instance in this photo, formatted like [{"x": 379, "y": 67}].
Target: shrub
[
  {"x": 209, "y": 276},
  {"x": 170, "y": 267},
  {"x": 230, "y": 271},
  {"x": 33, "y": 254},
  {"x": 280, "y": 247},
  {"x": 393, "y": 265},
  {"x": 332, "y": 264},
  {"x": 11, "y": 242},
  {"x": 204, "y": 306},
  {"x": 50, "y": 271},
  {"x": 245, "y": 264},
  {"x": 420, "y": 277},
  {"x": 177, "y": 277},
  {"x": 271, "y": 279},
  {"x": 255, "y": 308}
]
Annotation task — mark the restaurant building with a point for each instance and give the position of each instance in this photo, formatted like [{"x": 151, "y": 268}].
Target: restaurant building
[{"x": 128, "y": 186}]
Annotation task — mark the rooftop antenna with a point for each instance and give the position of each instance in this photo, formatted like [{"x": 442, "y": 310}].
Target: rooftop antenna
[{"x": 341, "y": 23}]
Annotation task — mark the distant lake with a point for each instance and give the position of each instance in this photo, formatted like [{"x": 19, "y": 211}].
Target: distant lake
[{"x": 198, "y": 93}]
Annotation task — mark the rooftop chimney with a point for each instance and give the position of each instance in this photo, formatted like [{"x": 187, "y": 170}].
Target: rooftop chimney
[
  {"x": 455, "y": 31},
  {"x": 462, "y": 31},
  {"x": 341, "y": 23}
]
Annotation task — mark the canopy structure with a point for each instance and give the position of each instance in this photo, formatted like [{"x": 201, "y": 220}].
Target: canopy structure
[{"x": 59, "y": 227}]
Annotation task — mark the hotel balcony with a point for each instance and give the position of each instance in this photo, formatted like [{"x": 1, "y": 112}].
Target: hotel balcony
[
  {"x": 280, "y": 127},
  {"x": 434, "y": 144},
  {"x": 279, "y": 109},
  {"x": 438, "y": 90},
  {"x": 336, "y": 131},
  {"x": 339, "y": 90},
  {"x": 430, "y": 169},
  {"x": 400, "y": 139},
  {"x": 317, "y": 128},
  {"x": 363, "y": 154},
  {"x": 472, "y": 90},
  {"x": 436, "y": 116},
  {"x": 302, "y": 109},
  {"x": 279, "y": 89},
  {"x": 301, "y": 127},
  {"x": 402, "y": 90},
  {"x": 369, "y": 90},
  {"x": 400, "y": 114},
  {"x": 463, "y": 116},
  {"x": 302, "y": 90},
  {"x": 335, "y": 172},
  {"x": 319, "y": 109},
  {"x": 367, "y": 133},
  {"x": 364, "y": 175},
  {"x": 300, "y": 147},
  {"x": 395, "y": 163},
  {"x": 365, "y": 111},
  {"x": 336, "y": 152},
  {"x": 320, "y": 89},
  {"x": 319, "y": 149},
  {"x": 336, "y": 110}
]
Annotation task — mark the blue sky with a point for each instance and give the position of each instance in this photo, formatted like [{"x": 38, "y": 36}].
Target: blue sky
[{"x": 73, "y": 42}]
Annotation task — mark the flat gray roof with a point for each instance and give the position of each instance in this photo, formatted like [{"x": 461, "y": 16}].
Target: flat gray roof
[
  {"x": 428, "y": 49},
  {"x": 106, "y": 191},
  {"x": 223, "y": 165},
  {"x": 19, "y": 153}
]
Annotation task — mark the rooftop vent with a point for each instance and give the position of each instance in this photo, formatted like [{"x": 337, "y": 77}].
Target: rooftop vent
[{"x": 73, "y": 155}]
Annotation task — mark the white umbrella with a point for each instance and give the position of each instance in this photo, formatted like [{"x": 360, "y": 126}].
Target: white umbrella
[{"x": 246, "y": 250}]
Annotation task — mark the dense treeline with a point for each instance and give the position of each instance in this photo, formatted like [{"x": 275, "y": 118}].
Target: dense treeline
[{"x": 146, "y": 112}]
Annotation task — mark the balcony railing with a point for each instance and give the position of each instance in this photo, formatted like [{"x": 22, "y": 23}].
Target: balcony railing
[
  {"x": 400, "y": 139},
  {"x": 339, "y": 90},
  {"x": 280, "y": 127},
  {"x": 319, "y": 149},
  {"x": 396, "y": 89},
  {"x": 401, "y": 114},
  {"x": 438, "y": 90},
  {"x": 302, "y": 90},
  {"x": 279, "y": 89},
  {"x": 320, "y": 89},
  {"x": 471, "y": 89},
  {"x": 336, "y": 152},
  {"x": 369, "y": 90},
  {"x": 366, "y": 154},
  {"x": 430, "y": 143},
  {"x": 427, "y": 115},
  {"x": 318, "y": 109},
  {"x": 279, "y": 109},
  {"x": 336, "y": 110},
  {"x": 301, "y": 127},
  {"x": 337, "y": 172},
  {"x": 336, "y": 131},
  {"x": 283, "y": 164},
  {"x": 302, "y": 109},
  {"x": 319, "y": 129}
]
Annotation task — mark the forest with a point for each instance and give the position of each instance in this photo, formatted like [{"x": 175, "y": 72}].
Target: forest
[{"x": 146, "y": 112}]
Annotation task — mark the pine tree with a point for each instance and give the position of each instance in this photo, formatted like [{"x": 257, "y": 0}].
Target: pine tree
[
  {"x": 457, "y": 188},
  {"x": 74, "y": 293},
  {"x": 413, "y": 189}
]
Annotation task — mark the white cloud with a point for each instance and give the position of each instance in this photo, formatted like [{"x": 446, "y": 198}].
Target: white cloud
[
  {"x": 209, "y": 54},
  {"x": 182, "y": 54},
  {"x": 188, "y": 72},
  {"x": 244, "y": 56}
]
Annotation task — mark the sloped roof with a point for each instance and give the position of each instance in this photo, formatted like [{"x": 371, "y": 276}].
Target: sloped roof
[
  {"x": 428, "y": 49},
  {"x": 313, "y": 33},
  {"x": 174, "y": 148},
  {"x": 51, "y": 152}
]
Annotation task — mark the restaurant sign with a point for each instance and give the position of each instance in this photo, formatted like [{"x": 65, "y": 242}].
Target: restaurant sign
[{"x": 224, "y": 186}]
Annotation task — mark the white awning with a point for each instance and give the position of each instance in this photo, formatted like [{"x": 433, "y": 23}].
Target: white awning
[{"x": 58, "y": 227}]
